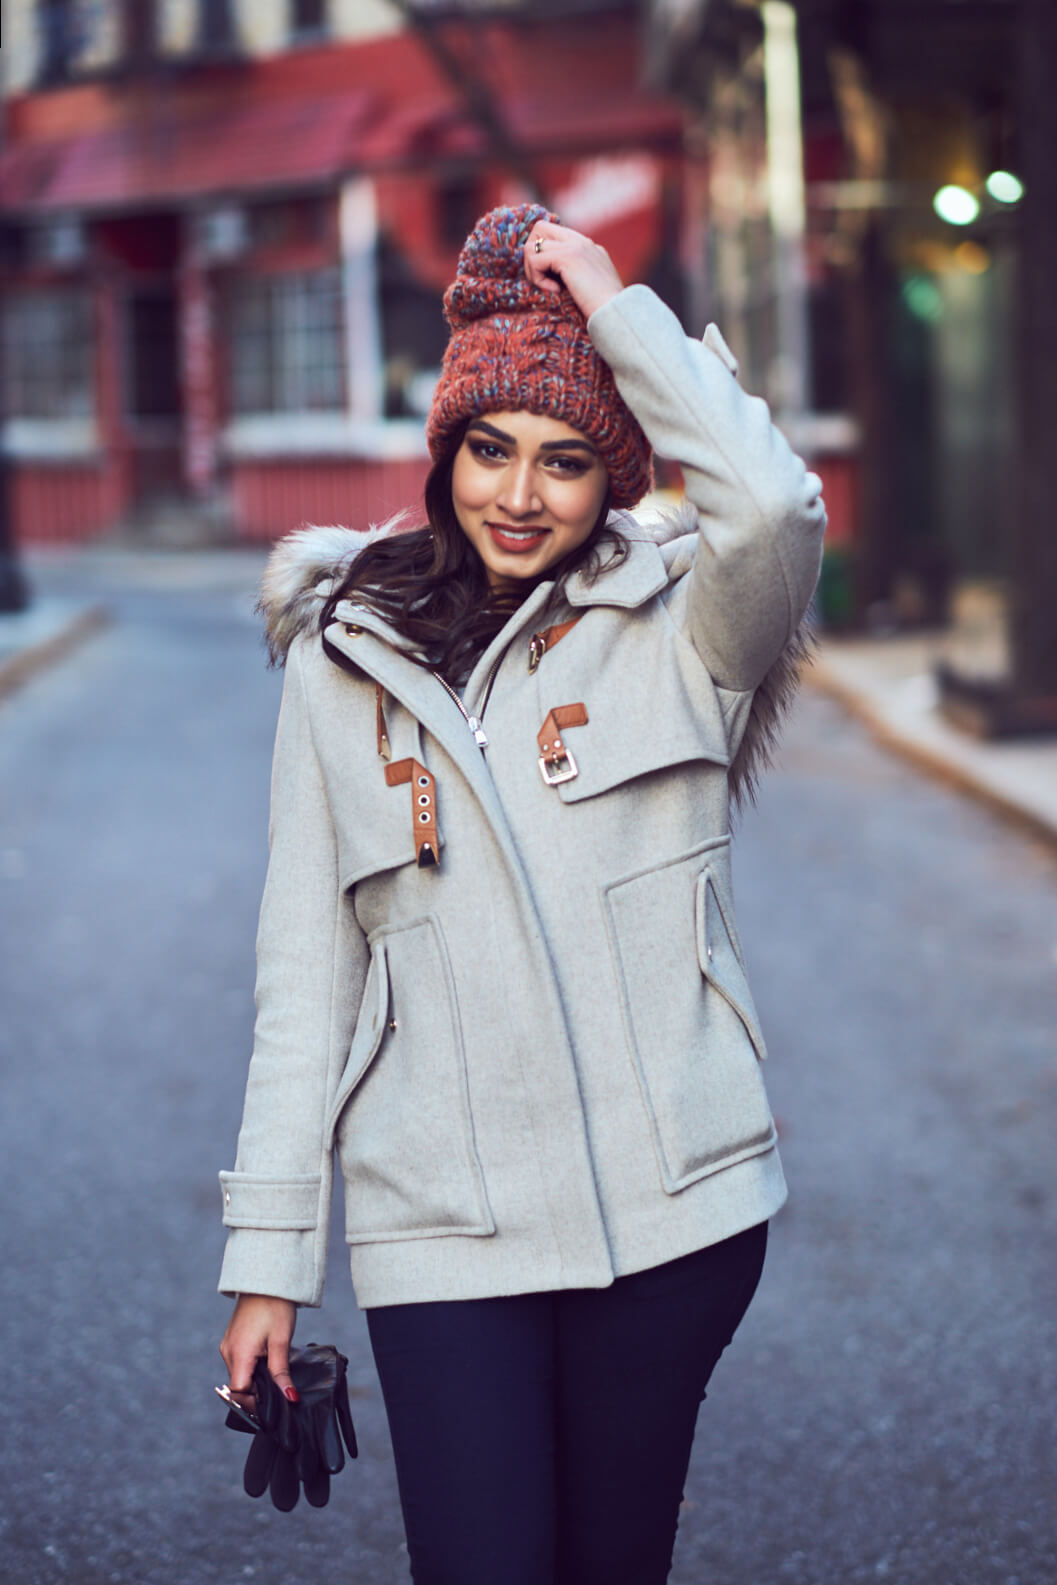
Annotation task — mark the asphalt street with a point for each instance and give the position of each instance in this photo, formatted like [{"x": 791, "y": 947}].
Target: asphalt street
[{"x": 886, "y": 1411}]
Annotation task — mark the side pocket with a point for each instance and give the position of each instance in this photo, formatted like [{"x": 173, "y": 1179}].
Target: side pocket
[
  {"x": 367, "y": 1037},
  {"x": 401, "y": 1117},
  {"x": 692, "y": 1033},
  {"x": 719, "y": 957}
]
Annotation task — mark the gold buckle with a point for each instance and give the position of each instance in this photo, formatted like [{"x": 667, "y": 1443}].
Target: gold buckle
[{"x": 549, "y": 768}]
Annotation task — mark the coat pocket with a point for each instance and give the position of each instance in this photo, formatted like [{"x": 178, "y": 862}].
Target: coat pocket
[
  {"x": 404, "y": 1129},
  {"x": 718, "y": 952},
  {"x": 691, "y": 1028}
]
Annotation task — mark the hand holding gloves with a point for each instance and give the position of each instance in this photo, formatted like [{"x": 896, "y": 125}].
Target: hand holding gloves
[{"x": 299, "y": 1444}]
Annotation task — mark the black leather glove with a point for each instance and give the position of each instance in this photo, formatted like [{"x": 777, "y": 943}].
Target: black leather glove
[{"x": 299, "y": 1444}]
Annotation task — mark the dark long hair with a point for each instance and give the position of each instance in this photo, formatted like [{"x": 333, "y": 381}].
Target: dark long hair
[{"x": 431, "y": 585}]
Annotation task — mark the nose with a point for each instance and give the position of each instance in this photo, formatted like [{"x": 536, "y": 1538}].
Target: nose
[{"x": 518, "y": 495}]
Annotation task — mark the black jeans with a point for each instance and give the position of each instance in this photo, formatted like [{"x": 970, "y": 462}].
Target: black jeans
[{"x": 544, "y": 1439}]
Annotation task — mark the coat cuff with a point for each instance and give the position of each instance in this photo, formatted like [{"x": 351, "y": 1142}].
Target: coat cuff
[
  {"x": 281, "y": 1265},
  {"x": 274, "y": 1204}
]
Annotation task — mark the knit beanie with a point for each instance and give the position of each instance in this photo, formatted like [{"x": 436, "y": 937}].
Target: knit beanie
[{"x": 515, "y": 348}]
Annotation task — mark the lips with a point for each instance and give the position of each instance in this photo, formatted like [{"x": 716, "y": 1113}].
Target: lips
[{"x": 516, "y": 540}]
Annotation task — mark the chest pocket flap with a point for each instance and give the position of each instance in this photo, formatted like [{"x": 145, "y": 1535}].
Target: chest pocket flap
[{"x": 650, "y": 702}]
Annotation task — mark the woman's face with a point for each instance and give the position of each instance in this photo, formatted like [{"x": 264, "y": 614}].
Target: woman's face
[{"x": 527, "y": 490}]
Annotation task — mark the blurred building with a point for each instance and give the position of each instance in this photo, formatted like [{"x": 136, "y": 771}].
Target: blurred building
[
  {"x": 229, "y": 223},
  {"x": 904, "y": 300}
]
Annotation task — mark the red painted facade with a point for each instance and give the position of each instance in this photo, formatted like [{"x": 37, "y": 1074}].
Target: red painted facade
[
  {"x": 273, "y": 497},
  {"x": 61, "y": 502},
  {"x": 134, "y": 159}
]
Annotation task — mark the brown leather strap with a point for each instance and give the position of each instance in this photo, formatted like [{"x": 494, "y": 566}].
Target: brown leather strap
[
  {"x": 547, "y": 638},
  {"x": 423, "y": 807},
  {"x": 556, "y": 763},
  {"x": 384, "y": 750}
]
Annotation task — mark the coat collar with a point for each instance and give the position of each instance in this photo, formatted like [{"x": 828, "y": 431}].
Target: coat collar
[{"x": 634, "y": 580}]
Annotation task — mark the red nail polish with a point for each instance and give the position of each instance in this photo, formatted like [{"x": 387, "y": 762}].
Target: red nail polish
[{"x": 292, "y": 1394}]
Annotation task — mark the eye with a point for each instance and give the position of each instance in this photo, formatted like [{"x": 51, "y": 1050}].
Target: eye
[
  {"x": 571, "y": 466},
  {"x": 486, "y": 451}
]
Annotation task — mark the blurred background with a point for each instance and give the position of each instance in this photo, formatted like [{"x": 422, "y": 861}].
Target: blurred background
[
  {"x": 225, "y": 230},
  {"x": 227, "y": 225}
]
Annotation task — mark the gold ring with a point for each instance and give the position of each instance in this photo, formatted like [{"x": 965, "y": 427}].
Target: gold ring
[{"x": 538, "y": 248}]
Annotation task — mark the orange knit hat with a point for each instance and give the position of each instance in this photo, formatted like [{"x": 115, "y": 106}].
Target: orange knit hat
[{"x": 514, "y": 348}]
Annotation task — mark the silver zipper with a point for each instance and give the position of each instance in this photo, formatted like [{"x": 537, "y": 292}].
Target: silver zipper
[
  {"x": 480, "y": 736},
  {"x": 474, "y": 722}
]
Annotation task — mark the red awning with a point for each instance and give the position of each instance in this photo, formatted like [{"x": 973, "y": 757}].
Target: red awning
[
  {"x": 174, "y": 155},
  {"x": 168, "y": 158}
]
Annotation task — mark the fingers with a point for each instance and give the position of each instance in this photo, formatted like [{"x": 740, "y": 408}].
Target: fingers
[
  {"x": 556, "y": 257},
  {"x": 279, "y": 1367},
  {"x": 548, "y": 244},
  {"x": 260, "y": 1327},
  {"x": 240, "y": 1358}
]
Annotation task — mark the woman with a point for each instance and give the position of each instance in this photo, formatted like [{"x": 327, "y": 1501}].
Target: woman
[{"x": 498, "y": 965}]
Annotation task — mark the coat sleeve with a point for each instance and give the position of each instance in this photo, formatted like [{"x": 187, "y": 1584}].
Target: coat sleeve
[
  {"x": 311, "y": 969},
  {"x": 759, "y": 510}
]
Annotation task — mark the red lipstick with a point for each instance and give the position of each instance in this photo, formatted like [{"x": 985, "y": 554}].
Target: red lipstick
[{"x": 516, "y": 540}]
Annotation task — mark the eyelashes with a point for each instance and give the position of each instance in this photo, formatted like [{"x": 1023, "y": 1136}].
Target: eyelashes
[{"x": 567, "y": 466}]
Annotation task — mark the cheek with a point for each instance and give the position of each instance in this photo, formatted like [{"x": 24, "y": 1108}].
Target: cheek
[
  {"x": 583, "y": 502},
  {"x": 470, "y": 485}
]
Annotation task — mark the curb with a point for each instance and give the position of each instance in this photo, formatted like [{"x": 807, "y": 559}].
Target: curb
[
  {"x": 25, "y": 663},
  {"x": 934, "y": 763}
]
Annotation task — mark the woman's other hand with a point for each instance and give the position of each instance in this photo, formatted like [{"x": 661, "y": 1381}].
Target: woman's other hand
[
  {"x": 556, "y": 256},
  {"x": 259, "y": 1325}
]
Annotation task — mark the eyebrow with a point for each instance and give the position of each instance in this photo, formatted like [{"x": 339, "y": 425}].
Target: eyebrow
[{"x": 548, "y": 445}]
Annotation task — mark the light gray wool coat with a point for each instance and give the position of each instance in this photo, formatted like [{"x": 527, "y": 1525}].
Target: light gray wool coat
[{"x": 538, "y": 1062}]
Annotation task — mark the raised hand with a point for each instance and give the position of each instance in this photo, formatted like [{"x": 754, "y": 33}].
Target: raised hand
[{"x": 557, "y": 256}]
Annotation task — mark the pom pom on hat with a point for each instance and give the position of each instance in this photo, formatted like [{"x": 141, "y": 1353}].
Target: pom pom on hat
[{"x": 515, "y": 348}]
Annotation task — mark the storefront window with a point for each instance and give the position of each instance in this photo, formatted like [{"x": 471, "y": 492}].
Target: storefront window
[
  {"x": 287, "y": 343},
  {"x": 47, "y": 354}
]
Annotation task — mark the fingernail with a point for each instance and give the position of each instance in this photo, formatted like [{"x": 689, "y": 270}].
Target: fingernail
[{"x": 292, "y": 1394}]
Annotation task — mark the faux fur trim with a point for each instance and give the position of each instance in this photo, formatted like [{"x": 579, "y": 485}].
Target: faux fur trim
[
  {"x": 303, "y": 570},
  {"x": 771, "y": 704}
]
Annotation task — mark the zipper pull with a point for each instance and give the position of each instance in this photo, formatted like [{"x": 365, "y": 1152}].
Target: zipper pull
[
  {"x": 537, "y": 648},
  {"x": 480, "y": 736}
]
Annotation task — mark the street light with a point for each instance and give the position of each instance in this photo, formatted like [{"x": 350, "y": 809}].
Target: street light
[
  {"x": 956, "y": 205},
  {"x": 1004, "y": 187}
]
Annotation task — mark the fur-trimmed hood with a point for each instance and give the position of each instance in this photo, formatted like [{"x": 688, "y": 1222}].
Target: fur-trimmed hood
[
  {"x": 303, "y": 571},
  {"x": 307, "y": 566}
]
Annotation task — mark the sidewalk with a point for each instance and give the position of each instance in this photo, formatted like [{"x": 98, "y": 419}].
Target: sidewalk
[
  {"x": 887, "y": 683},
  {"x": 48, "y": 629},
  {"x": 78, "y": 589}
]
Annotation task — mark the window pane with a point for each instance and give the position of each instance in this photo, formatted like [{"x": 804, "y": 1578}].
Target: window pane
[
  {"x": 48, "y": 362},
  {"x": 286, "y": 343}
]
